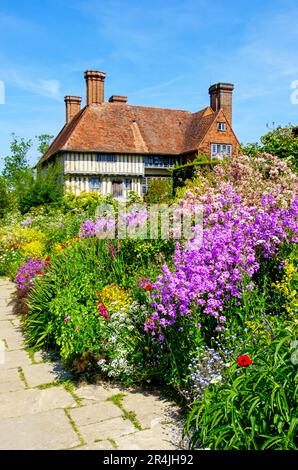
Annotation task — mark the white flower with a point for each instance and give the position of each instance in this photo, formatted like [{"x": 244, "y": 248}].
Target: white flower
[
  {"x": 216, "y": 379},
  {"x": 101, "y": 362}
]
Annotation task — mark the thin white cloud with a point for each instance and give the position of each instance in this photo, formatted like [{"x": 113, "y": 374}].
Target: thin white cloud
[
  {"x": 158, "y": 86},
  {"x": 43, "y": 87}
]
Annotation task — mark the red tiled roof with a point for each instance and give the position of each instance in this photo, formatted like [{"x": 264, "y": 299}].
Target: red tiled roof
[{"x": 121, "y": 128}]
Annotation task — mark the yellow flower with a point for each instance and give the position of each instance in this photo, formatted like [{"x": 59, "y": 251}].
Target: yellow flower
[
  {"x": 57, "y": 248},
  {"x": 34, "y": 249},
  {"x": 114, "y": 297}
]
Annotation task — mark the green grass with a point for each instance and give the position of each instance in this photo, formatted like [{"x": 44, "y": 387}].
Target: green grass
[
  {"x": 74, "y": 426},
  {"x": 112, "y": 442},
  {"x": 130, "y": 415},
  {"x": 30, "y": 352},
  {"x": 22, "y": 377},
  {"x": 69, "y": 387},
  {"x": 48, "y": 385}
]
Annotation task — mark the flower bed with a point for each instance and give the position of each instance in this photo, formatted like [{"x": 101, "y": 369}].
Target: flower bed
[{"x": 206, "y": 316}]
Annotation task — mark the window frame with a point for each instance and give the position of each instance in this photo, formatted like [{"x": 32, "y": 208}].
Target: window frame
[
  {"x": 92, "y": 187},
  {"x": 218, "y": 149},
  {"x": 105, "y": 158},
  {"x": 221, "y": 124},
  {"x": 159, "y": 161},
  {"x": 127, "y": 184}
]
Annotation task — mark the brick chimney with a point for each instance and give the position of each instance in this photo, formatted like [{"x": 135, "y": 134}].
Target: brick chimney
[
  {"x": 95, "y": 86},
  {"x": 221, "y": 98},
  {"x": 118, "y": 99},
  {"x": 72, "y": 106}
]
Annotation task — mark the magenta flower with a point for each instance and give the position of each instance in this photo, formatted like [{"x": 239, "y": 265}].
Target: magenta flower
[
  {"x": 87, "y": 229},
  {"x": 112, "y": 251},
  {"x": 103, "y": 311},
  {"x": 28, "y": 271},
  {"x": 238, "y": 234}
]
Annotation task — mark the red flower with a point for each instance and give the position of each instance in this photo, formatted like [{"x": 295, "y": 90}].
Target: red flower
[
  {"x": 244, "y": 360},
  {"x": 148, "y": 287},
  {"x": 39, "y": 273}
]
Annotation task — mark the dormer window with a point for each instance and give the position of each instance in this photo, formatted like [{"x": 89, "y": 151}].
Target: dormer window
[{"x": 221, "y": 126}]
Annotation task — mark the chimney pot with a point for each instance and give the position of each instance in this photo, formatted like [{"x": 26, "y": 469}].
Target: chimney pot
[
  {"x": 221, "y": 98},
  {"x": 118, "y": 99},
  {"x": 72, "y": 106},
  {"x": 94, "y": 86}
]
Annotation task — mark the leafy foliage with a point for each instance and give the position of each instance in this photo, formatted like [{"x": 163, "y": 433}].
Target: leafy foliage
[
  {"x": 282, "y": 142},
  {"x": 255, "y": 407},
  {"x": 16, "y": 164},
  {"x": 159, "y": 191},
  {"x": 46, "y": 188},
  {"x": 44, "y": 141},
  {"x": 4, "y": 197}
]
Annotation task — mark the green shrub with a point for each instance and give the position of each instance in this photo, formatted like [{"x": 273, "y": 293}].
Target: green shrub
[
  {"x": 4, "y": 197},
  {"x": 63, "y": 312},
  {"x": 188, "y": 171},
  {"x": 159, "y": 191},
  {"x": 256, "y": 406},
  {"x": 46, "y": 188}
]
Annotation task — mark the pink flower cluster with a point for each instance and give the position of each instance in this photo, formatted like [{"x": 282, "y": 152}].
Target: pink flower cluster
[
  {"x": 122, "y": 223},
  {"x": 238, "y": 232},
  {"x": 104, "y": 227}
]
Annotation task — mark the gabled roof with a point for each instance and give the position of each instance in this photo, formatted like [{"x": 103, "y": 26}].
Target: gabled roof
[{"x": 121, "y": 128}]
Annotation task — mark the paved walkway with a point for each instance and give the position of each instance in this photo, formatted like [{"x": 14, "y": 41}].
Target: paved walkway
[{"x": 39, "y": 409}]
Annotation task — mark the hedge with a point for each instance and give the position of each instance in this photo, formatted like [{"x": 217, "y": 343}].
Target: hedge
[{"x": 185, "y": 172}]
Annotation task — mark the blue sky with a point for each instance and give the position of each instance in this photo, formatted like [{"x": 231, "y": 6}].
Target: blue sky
[{"x": 157, "y": 52}]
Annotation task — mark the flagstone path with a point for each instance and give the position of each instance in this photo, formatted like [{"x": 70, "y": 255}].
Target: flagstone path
[{"x": 40, "y": 410}]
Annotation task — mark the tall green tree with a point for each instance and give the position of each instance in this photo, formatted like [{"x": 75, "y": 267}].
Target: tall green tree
[
  {"x": 44, "y": 141},
  {"x": 16, "y": 164},
  {"x": 282, "y": 142},
  {"x": 47, "y": 187},
  {"x": 4, "y": 197}
]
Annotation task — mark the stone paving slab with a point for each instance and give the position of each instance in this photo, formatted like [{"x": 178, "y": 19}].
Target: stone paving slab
[
  {"x": 40, "y": 357},
  {"x": 12, "y": 358},
  {"x": 42, "y": 431},
  {"x": 9, "y": 375},
  {"x": 6, "y": 324},
  {"x": 6, "y": 314},
  {"x": 101, "y": 445},
  {"x": 149, "y": 440},
  {"x": 39, "y": 374},
  {"x": 11, "y": 386},
  {"x": 6, "y": 303},
  {"x": 15, "y": 342},
  {"x": 11, "y": 332},
  {"x": 95, "y": 413},
  {"x": 150, "y": 409},
  {"x": 28, "y": 402},
  {"x": 96, "y": 393},
  {"x": 51, "y": 418},
  {"x": 148, "y": 419},
  {"x": 111, "y": 428},
  {"x": 145, "y": 400},
  {"x": 16, "y": 322}
]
